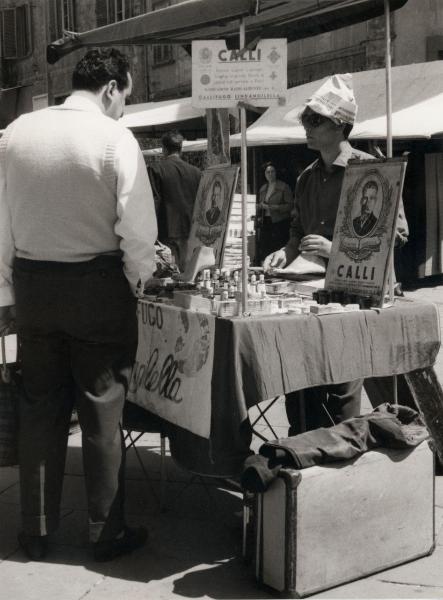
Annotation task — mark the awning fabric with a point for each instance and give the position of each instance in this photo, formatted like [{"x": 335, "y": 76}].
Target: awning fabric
[
  {"x": 219, "y": 19},
  {"x": 151, "y": 114},
  {"x": 417, "y": 107},
  {"x": 164, "y": 25}
]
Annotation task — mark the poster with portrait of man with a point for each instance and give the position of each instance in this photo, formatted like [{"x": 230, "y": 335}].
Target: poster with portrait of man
[
  {"x": 211, "y": 210},
  {"x": 364, "y": 233}
]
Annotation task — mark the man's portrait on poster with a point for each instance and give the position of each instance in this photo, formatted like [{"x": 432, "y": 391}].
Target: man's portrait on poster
[
  {"x": 368, "y": 210},
  {"x": 215, "y": 203},
  {"x": 212, "y": 208}
]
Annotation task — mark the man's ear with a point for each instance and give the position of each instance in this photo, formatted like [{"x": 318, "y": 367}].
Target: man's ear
[{"x": 110, "y": 88}]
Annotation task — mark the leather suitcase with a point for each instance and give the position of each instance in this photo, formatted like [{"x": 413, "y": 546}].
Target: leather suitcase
[{"x": 326, "y": 525}]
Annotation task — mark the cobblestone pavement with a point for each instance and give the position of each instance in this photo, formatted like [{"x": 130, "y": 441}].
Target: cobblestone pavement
[{"x": 194, "y": 548}]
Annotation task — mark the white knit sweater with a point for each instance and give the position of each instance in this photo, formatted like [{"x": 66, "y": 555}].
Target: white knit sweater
[{"x": 76, "y": 186}]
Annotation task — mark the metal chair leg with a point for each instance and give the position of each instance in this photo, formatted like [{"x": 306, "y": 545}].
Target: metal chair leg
[
  {"x": 132, "y": 444},
  {"x": 162, "y": 470}
]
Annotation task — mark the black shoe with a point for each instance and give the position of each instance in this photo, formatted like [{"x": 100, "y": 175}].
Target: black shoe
[
  {"x": 34, "y": 546},
  {"x": 131, "y": 539}
]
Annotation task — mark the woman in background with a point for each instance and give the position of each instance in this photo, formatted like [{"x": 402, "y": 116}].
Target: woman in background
[{"x": 274, "y": 204}]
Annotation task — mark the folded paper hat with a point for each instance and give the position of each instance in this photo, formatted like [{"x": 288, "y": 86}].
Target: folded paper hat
[{"x": 335, "y": 99}]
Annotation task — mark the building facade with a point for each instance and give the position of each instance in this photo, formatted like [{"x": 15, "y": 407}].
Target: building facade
[
  {"x": 163, "y": 71},
  {"x": 27, "y": 82}
]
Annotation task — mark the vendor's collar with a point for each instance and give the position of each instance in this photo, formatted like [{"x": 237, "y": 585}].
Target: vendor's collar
[
  {"x": 345, "y": 154},
  {"x": 342, "y": 158}
]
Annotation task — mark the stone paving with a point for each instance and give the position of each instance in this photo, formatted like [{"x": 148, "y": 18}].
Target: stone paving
[{"x": 194, "y": 548}]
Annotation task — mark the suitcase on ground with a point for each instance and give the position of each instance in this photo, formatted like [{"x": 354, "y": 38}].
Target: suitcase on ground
[{"x": 326, "y": 525}]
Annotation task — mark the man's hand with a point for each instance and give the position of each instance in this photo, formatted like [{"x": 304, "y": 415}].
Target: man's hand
[
  {"x": 316, "y": 244},
  {"x": 277, "y": 259},
  {"x": 7, "y": 320}
]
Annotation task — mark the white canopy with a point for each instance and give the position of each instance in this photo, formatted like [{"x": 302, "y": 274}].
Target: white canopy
[
  {"x": 150, "y": 114},
  {"x": 417, "y": 107}
]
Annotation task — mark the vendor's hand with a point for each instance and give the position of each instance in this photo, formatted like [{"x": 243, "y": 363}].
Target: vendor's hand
[
  {"x": 316, "y": 244},
  {"x": 7, "y": 320},
  {"x": 277, "y": 259}
]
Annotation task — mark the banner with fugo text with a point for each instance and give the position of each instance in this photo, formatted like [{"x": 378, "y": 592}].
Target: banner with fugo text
[{"x": 173, "y": 367}]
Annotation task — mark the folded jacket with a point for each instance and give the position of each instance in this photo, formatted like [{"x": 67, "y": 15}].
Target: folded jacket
[{"x": 388, "y": 426}]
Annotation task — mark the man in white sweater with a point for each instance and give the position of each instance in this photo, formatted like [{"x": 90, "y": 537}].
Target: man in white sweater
[{"x": 77, "y": 233}]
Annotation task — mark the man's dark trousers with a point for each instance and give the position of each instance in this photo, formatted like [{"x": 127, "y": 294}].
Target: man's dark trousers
[
  {"x": 323, "y": 406},
  {"x": 77, "y": 328}
]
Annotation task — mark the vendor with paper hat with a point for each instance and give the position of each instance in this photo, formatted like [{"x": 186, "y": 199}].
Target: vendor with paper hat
[{"x": 327, "y": 117}]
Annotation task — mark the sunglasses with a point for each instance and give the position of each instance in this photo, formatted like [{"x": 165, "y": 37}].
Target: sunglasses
[{"x": 313, "y": 120}]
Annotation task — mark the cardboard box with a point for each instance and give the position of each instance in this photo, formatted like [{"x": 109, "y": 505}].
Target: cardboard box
[{"x": 323, "y": 526}]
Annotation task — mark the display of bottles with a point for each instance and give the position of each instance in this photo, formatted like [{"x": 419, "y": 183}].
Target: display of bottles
[{"x": 261, "y": 286}]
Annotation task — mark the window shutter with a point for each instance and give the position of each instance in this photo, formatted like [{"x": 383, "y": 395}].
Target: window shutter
[
  {"x": 15, "y": 35},
  {"x": 22, "y": 31},
  {"x": 53, "y": 29},
  {"x": 9, "y": 36}
]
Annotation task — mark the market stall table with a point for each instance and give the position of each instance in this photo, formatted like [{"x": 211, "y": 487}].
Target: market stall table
[{"x": 203, "y": 373}]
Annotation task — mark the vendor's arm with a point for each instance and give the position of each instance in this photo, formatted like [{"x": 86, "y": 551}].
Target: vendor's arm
[
  {"x": 286, "y": 255},
  {"x": 136, "y": 223},
  {"x": 7, "y": 247},
  {"x": 316, "y": 244}
]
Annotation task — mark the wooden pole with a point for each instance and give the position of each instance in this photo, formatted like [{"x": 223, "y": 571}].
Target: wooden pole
[
  {"x": 389, "y": 117},
  {"x": 244, "y": 191}
]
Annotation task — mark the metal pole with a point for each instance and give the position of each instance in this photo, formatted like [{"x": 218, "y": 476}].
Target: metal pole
[
  {"x": 244, "y": 192},
  {"x": 388, "y": 81},
  {"x": 389, "y": 149}
]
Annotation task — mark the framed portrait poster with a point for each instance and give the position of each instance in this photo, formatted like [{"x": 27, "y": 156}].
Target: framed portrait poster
[
  {"x": 212, "y": 209},
  {"x": 364, "y": 233}
]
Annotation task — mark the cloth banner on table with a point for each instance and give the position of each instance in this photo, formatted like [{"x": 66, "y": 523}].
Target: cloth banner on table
[{"x": 173, "y": 368}]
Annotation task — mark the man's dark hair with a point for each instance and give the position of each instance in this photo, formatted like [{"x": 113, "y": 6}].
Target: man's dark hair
[
  {"x": 98, "y": 67},
  {"x": 368, "y": 185},
  {"x": 172, "y": 141}
]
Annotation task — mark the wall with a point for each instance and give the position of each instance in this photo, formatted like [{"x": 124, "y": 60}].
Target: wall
[
  {"x": 415, "y": 22},
  {"x": 29, "y": 72},
  {"x": 39, "y": 78},
  {"x": 169, "y": 80}
]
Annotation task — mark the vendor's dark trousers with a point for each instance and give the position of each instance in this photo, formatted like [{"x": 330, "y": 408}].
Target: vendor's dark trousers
[
  {"x": 77, "y": 328},
  {"x": 323, "y": 406},
  {"x": 272, "y": 236}
]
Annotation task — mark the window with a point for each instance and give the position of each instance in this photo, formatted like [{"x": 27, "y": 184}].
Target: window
[
  {"x": 15, "y": 36},
  {"x": 62, "y": 17},
  {"x": 111, "y": 11},
  {"x": 162, "y": 53}
]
